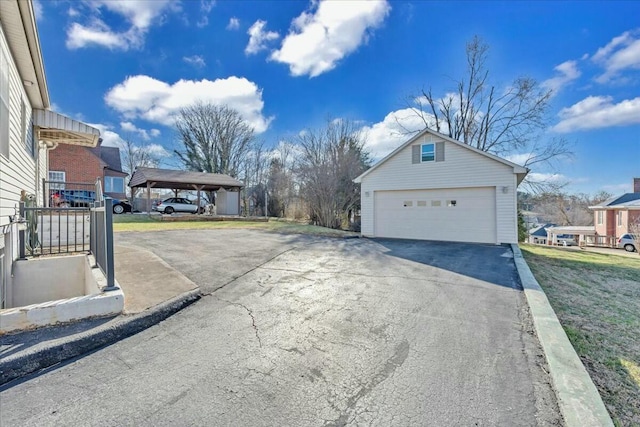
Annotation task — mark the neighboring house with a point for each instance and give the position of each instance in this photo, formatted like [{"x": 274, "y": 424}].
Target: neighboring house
[
  {"x": 436, "y": 188},
  {"x": 27, "y": 128},
  {"x": 75, "y": 164},
  {"x": 618, "y": 215},
  {"x": 538, "y": 235}
]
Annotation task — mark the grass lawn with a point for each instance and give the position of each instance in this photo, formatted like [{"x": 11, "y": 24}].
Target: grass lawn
[
  {"x": 144, "y": 223},
  {"x": 597, "y": 299}
]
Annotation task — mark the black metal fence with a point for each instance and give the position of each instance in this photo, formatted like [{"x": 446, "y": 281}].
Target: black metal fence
[
  {"x": 50, "y": 231},
  {"x": 102, "y": 239}
]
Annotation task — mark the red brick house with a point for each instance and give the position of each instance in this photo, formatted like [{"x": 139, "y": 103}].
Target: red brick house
[
  {"x": 76, "y": 164},
  {"x": 618, "y": 215}
]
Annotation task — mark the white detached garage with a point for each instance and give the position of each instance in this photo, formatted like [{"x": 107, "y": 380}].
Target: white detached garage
[{"x": 436, "y": 188}]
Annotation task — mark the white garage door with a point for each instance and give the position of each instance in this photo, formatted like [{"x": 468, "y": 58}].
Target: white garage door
[{"x": 459, "y": 215}]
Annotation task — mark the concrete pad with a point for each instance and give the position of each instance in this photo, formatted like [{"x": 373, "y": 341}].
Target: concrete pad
[
  {"x": 146, "y": 279},
  {"x": 578, "y": 398}
]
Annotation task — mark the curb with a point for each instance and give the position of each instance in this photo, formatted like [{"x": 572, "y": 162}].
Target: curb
[
  {"x": 12, "y": 368},
  {"x": 578, "y": 399}
]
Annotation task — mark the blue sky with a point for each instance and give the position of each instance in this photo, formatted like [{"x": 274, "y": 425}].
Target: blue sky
[{"x": 128, "y": 66}]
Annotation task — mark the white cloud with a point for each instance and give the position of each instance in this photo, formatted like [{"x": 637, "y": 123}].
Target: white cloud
[
  {"x": 566, "y": 73},
  {"x": 37, "y": 9},
  {"x": 621, "y": 53},
  {"x": 520, "y": 159},
  {"x": 551, "y": 178},
  {"x": 140, "y": 15},
  {"x": 319, "y": 38},
  {"x": 195, "y": 60},
  {"x": 234, "y": 24},
  {"x": 205, "y": 8},
  {"x": 396, "y": 128},
  {"x": 156, "y": 101},
  {"x": 109, "y": 137},
  {"x": 73, "y": 12},
  {"x": 596, "y": 112},
  {"x": 258, "y": 38},
  {"x": 143, "y": 133}
]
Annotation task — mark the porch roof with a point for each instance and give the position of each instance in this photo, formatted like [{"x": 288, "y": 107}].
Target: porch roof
[{"x": 53, "y": 128}]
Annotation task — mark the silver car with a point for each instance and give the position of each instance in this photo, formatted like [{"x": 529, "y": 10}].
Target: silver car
[
  {"x": 628, "y": 243},
  {"x": 176, "y": 204}
]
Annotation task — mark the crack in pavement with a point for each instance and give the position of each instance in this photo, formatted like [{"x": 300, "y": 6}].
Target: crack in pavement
[
  {"x": 394, "y": 362},
  {"x": 253, "y": 319}
]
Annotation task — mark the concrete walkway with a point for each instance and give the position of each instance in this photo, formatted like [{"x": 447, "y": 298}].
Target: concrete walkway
[
  {"x": 153, "y": 291},
  {"x": 146, "y": 279}
]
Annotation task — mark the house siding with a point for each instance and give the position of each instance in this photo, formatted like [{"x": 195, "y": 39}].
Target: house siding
[
  {"x": 18, "y": 171},
  {"x": 461, "y": 168}
]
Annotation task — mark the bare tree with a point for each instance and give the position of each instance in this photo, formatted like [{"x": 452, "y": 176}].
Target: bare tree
[
  {"x": 567, "y": 209},
  {"x": 502, "y": 121},
  {"x": 216, "y": 139},
  {"x": 138, "y": 155},
  {"x": 330, "y": 158}
]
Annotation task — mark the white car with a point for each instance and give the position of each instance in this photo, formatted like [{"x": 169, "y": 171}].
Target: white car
[
  {"x": 628, "y": 243},
  {"x": 176, "y": 204}
]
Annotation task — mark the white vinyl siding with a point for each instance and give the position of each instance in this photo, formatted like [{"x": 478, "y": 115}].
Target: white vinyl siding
[
  {"x": 461, "y": 168},
  {"x": 19, "y": 171}
]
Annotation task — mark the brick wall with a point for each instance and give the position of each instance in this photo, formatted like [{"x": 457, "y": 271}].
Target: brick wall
[{"x": 79, "y": 164}]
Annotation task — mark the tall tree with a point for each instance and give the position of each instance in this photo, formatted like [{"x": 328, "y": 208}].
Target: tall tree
[
  {"x": 502, "y": 121},
  {"x": 215, "y": 138},
  {"x": 139, "y": 155},
  {"x": 330, "y": 158}
]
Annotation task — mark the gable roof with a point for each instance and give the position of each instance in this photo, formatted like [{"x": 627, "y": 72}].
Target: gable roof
[
  {"x": 111, "y": 157},
  {"x": 517, "y": 169},
  {"x": 627, "y": 200},
  {"x": 541, "y": 231},
  {"x": 182, "y": 180}
]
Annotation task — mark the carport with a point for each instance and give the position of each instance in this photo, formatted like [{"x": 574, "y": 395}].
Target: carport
[{"x": 184, "y": 180}]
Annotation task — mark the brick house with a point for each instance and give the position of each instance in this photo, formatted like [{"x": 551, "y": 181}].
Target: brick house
[
  {"x": 76, "y": 164},
  {"x": 618, "y": 215}
]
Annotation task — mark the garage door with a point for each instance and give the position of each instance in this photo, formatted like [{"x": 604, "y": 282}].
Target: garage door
[{"x": 459, "y": 215}]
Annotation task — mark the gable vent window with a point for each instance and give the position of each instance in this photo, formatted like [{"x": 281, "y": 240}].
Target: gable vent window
[{"x": 427, "y": 153}]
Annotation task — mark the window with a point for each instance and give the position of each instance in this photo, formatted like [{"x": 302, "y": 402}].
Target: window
[
  {"x": 422, "y": 203},
  {"x": 27, "y": 128},
  {"x": 113, "y": 184},
  {"x": 600, "y": 217},
  {"x": 451, "y": 203},
  {"x": 56, "y": 180},
  {"x": 4, "y": 101},
  {"x": 428, "y": 153},
  {"x": 436, "y": 203},
  {"x": 619, "y": 219},
  {"x": 408, "y": 204}
]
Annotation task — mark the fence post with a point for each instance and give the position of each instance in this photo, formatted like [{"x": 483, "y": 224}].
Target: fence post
[
  {"x": 45, "y": 198},
  {"x": 108, "y": 238},
  {"x": 21, "y": 233}
]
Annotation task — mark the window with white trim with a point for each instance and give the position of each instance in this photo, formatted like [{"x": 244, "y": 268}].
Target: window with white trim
[
  {"x": 428, "y": 153},
  {"x": 619, "y": 218},
  {"x": 56, "y": 180},
  {"x": 113, "y": 184},
  {"x": 4, "y": 100},
  {"x": 600, "y": 217}
]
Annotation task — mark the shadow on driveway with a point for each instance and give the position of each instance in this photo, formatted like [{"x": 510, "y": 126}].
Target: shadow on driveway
[{"x": 489, "y": 263}]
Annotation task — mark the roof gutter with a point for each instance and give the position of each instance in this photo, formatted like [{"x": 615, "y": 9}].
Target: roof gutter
[{"x": 31, "y": 32}]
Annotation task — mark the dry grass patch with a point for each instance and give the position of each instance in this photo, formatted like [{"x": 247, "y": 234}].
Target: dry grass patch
[
  {"x": 123, "y": 223},
  {"x": 597, "y": 299}
]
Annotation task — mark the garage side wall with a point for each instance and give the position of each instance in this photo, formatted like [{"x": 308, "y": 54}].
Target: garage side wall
[{"x": 462, "y": 168}]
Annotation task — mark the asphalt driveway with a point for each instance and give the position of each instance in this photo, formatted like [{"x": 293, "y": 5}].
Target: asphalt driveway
[{"x": 303, "y": 331}]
